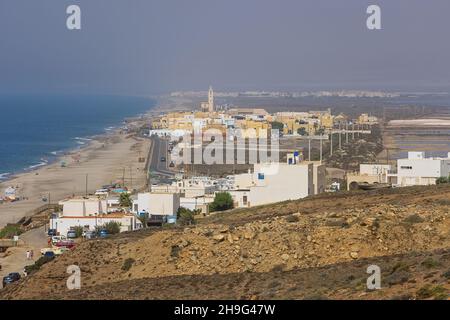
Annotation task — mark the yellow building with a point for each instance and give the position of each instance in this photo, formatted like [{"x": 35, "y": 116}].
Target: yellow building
[
  {"x": 366, "y": 119},
  {"x": 248, "y": 125},
  {"x": 326, "y": 121}
]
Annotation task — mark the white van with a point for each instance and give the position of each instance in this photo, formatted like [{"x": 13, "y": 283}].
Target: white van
[{"x": 56, "y": 239}]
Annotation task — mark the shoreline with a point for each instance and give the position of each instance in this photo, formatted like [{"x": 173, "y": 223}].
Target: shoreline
[
  {"x": 103, "y": 162},
  {"x": 102, "y": 157},
  {"x": 83, "y": 143}
]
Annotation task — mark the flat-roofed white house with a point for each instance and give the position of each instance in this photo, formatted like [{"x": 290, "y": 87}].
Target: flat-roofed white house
[
  {"x": 197, "y": 203},
  {"x": 62, "y": 224},
  {"x": 420, "y": 170},
  {"x": 192, "y": 187},
  {"x": 160, "y": 206},
  {"x": 273, "y": 183},
  {"x": 89, "y": 213},
  {"x": 84, "y": 206}
]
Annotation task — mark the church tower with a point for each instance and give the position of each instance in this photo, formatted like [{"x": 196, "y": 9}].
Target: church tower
[{"x": 210, "y": 99}]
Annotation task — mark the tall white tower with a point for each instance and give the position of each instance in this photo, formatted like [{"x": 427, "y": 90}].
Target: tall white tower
[{"x": 210, "y": 99}]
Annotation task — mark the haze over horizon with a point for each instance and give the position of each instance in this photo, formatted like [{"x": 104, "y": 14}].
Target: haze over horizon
[{"x": 145, "y": 48}]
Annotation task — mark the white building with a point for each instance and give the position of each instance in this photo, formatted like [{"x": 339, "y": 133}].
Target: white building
[
  {"x": 62, "y": 224},
  {"x": 273, "y": 183},
  {"x": 176, "y": 133},
  {"x": 211, "y": 100},
  {"x": 374, "y": 169},
  {"x": 157, "y": 204},
  {"x": 197, "y": 203},
  {"x": 89, "y": 213},
  {"x": 209, "y": 105},
  {"x": 189, "y": 187},
  {"x": 84, "y": 206},
  {"x": 419, "y": 170},
  {"x": 369, "y": 173},
  {"x": 10, "y": 193}
]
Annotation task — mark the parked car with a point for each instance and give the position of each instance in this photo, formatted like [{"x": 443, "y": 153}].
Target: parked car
[
  {"x": 163, "y": 159},
  {"x": 49, "y": 254},
  {"x": 89, "y": 235},
  {"x": 103, "y": 233},
  {"x": 56, "y": 251},
  {"x": 44, "y": 250},
  {"x": 56, "y": 239},
  {"x": 67, "y": 244},
  {"x": 71, "y": 234},
  {"x": 51, "y": 232},
  {"x": 10, "y": 278}
]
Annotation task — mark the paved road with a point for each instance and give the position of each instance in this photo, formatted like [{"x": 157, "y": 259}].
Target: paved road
[
  {"x": 35, "y": 240},
  {"x": 159, "y": 149}
]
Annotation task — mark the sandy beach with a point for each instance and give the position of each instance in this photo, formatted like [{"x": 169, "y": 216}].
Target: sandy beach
[{"x": 107, "y": 159}]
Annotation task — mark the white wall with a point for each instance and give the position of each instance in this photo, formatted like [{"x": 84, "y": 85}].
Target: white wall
[
  {"x": 418, "y": 171},
  {"x": 239, "y": 197},
  {"x": 319, "y": 178},
  {"x": 83, "y": 207},
  {"x": 374, "y": 169},
  {"x": 196, "y": 203},
  {"x": 63, "y": 224},
  {"x": 157, "y": 203},
  {"x": 291, "y": 182}
]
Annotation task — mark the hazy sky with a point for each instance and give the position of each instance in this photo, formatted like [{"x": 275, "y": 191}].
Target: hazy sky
[{"x": 153, "y": 46}]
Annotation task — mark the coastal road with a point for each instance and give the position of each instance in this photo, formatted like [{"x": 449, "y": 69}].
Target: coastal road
[{"x": 159, "y": 149}]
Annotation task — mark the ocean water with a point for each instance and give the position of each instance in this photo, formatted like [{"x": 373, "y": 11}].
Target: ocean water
[{"x": 34, "y": 130}]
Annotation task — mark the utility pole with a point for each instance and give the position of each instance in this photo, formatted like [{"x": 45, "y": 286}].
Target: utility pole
[
  {"x": 86, "y": 190},
  {"x": 346, "y": 132},
  {"x": 131, "y": 178},
  {"x": 309, "y": 148},
  {"x": 321, "y": 148},
  {"x": 331, "y": 145},
  {"x": 340, "y": 139}
]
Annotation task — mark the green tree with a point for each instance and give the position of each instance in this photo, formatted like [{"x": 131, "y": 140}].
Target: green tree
[
  {"x": 78, "y": 231},
  {"x": 143, "y": 217},
  {"x": 10, "y": 230},
  {"x": 277, "y": 125},
  {"x": 125, "y": 200},
  {"x": 441, "y": 180},
  {"x": 185, "y": 216},
  {"x": 301, "y": 131},
  {"x": 112, "y": 227},
  {"x": 320, "y": 131},
  {"x": 222, "y": 201}
]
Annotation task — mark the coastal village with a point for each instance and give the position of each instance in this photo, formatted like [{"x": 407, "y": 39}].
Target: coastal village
[{"x": 159, "y": 192}]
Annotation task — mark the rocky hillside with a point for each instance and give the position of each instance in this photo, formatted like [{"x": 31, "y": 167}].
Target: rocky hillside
[{"x": 317, "y": 247}]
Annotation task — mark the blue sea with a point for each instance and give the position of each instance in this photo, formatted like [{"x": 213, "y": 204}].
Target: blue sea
[{"x": 35, "y": 130}]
